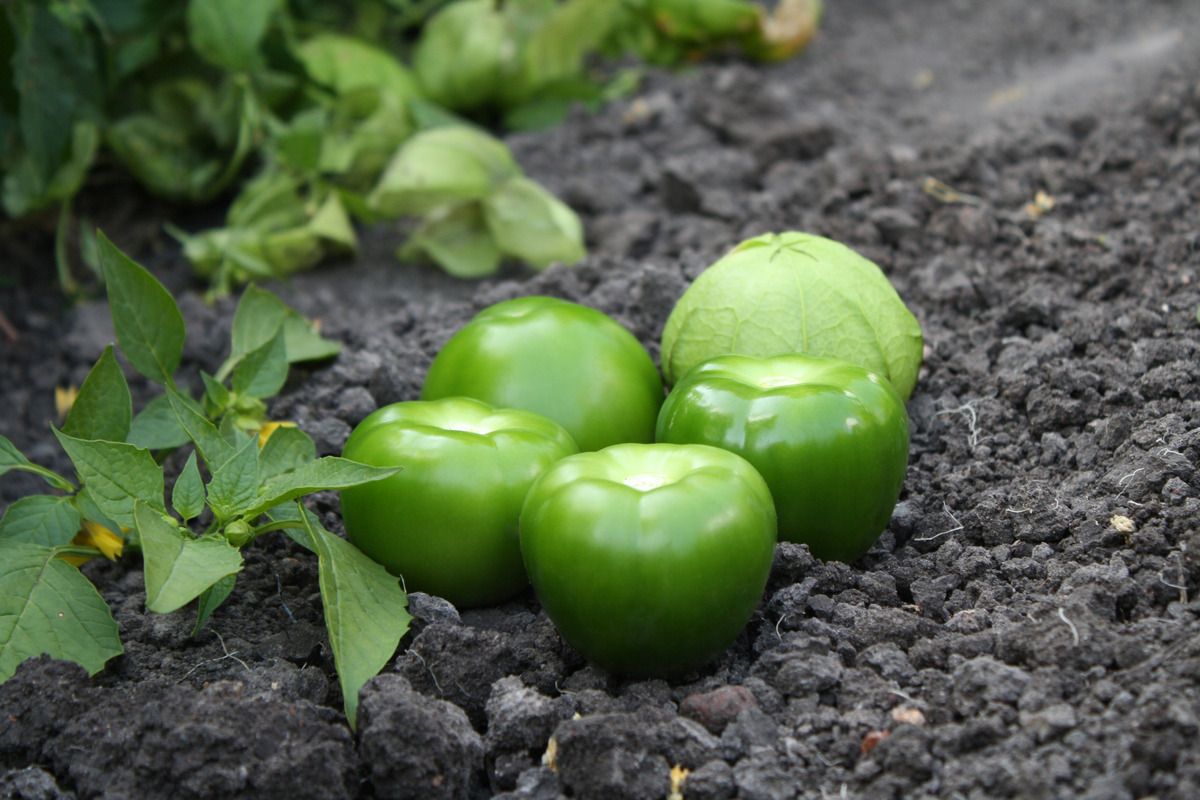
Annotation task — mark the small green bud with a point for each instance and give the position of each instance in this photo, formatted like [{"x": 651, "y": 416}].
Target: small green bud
[{"x": 239, "y": 533}]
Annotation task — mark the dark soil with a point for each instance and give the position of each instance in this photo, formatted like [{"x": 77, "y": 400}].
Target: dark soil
[{"x": 1004, "y": 639}]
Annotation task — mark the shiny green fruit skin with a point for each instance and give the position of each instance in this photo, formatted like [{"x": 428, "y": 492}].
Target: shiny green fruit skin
[
  {"x": 829, "y": 437},
  {"x": 559, "y": 359},
  {"x": 447, "y": 522},
  {"x": 649, "y": 559}
]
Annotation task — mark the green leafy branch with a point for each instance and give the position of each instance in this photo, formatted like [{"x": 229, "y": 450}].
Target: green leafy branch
[
  {"x": 256, "y": 472},
  {"x": 321, "y": 102}
]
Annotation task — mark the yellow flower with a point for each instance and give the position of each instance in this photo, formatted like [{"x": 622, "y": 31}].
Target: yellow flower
[
  {"x": 268, "y": 428},
  {"x": 93, "y": 534},
  {"x": 64, "y": 399}
]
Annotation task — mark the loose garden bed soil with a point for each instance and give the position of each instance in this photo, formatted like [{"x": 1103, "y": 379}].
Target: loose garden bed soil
[{"x": 1007, "y": 637}]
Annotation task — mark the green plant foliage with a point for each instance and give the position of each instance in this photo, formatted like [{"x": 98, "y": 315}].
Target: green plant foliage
[
  {"x": 364, "y": 608},
  {"x": 47, "y": 606},
  {"x": 440, "y": 167},
  {"x": 149, "y": 326},
  {"x": 52, "y": 106},
  {"x": 227, "y": 33},
  {"x": 103, "y": 409},
  {"x": 188, "y": 497},
  {"x": 478, "y": 207},
  {"x": 308, "y": 108},
  {"x": 533, "y": 225},
  {"x": 178, "y": 565},
  {"x": 42, "y": 519},
  {"x": 11, "y": 458}
]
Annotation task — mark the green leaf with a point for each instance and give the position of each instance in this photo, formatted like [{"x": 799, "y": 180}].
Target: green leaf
[
  {"x": 365, "y": 611},
  {"x": 287, "y": 449},
  {"x": 262, "y": 372},
  {"x": 345, "y": 65},
  {"x": 57, "y": 83},
  {"x": 549, "y": 109},
  {"x": 12, "y": 458},
  {"x": 458, "y": 240},
  {"x": 294, "y": 512},
  {"x": 103, "y": 408},
  {"x": 298, "y": 146},
  {"x": 329, "y": 472},
  {"x": 227, "y": 33},
  {"x": 211, "y": 599},
  {"x": 442, "y": 166},
  {"x": 188, "y": 136},
  {"x": 187, "y": 496},
  {"x": 40, "y": 519},
  {"x": 216, "y": 396},
  {"x": 234, "y": 436},
  {"x": 116, "y": 475},
  {"x": 47, "y": 606},
  {"x": 427, "y": 116},
  {"x": 138, "y": 25},
  {"x": 288, "y": 251},
  {"x": 271, "y": 201},
  {"x": 162, "y": 156},
  {"x": 155, "y": 427},
  {"x": 303, "y": 341},
  {"x": 148, "y": 323},
  {"x": 703, "y": 23},
  {"x": 179, "y": 567},
  {"x": 357, "y": 143},
  {"x": 26, "y": 190},
  {"x": 533, "y": 225},
  {"x": 556, "y": 50},
  {"x": 213, "y": 447},
  {"x": 234, "y": 484},
  {"x": 332, "y": 224},
  {"x": 259, "y": 315},
  {"x": 91, "y": 512}
]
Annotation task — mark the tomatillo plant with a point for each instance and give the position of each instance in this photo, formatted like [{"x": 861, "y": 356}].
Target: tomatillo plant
[
  {"x": 794, "y": 293},
  {"x": 829, "y": 437},
  {"x": 190, "y": 548},
  {"x": 559, "y": 359},
  {"x": 448, "y": 522},
  {"x": 649, "y": 559}
]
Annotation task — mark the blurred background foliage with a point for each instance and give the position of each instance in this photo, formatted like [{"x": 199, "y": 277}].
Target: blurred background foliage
[{"x": 313, "y": 115}]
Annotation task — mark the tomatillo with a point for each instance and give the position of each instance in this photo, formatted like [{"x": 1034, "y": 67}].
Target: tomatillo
[
  {"x": 447, "y": 522},
  {"x": 565, "y": 361},
  {"x": 649, "y": 559},
  {"x": 829, "y": 437}
]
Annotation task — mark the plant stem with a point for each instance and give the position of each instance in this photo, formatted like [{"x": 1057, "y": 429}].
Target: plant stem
[
  {"x": 75, "y": 550},
  {"x": 278, "y": 526}
]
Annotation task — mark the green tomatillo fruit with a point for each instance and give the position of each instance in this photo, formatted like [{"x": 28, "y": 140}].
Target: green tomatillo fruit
[
  {"x": 447, "y": 522},
  {"x": 794, "y": 293},
  {"x": 829, "y": 437},
  {"x": 649, "y": 559},
  {"x": 562, "y": 360},
  {"x": 466, "y": 54}
]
